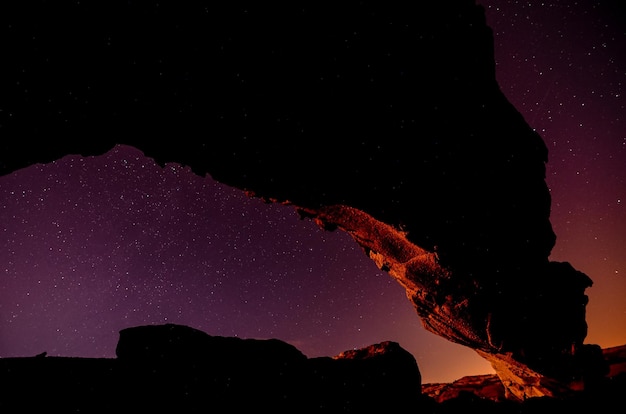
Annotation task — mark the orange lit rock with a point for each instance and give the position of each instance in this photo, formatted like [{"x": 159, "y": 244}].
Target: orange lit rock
[{"x": 483, "y": 386}]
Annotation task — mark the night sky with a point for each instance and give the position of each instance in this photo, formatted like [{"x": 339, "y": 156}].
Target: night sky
[{"x": 94, "y": 245}]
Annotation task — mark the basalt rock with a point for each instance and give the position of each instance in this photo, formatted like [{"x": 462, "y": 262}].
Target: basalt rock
[{"x": 384, "y": 121}]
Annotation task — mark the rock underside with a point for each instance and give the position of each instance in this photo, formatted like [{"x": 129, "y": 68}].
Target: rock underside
[{"x": 382, "y": 121}]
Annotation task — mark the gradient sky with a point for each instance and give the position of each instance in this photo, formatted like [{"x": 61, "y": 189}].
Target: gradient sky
[{"x": 94, "y": 245}]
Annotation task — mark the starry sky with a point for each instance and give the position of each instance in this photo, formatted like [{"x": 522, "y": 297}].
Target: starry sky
[{"x": 97, "y": 244}]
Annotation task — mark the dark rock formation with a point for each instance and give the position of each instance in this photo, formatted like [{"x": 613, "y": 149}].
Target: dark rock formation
[
  {"x": 175, "y": 368},
  {"x": 383, "y": 372},
  {"x": 385, "y": 121},
  {"x": 379, "y": 375},
  {"x": 616, "y": 359},
  {"x": 173, "y": 342}
]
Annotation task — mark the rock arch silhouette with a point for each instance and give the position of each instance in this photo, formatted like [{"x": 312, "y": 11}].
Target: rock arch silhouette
[{"x": 384, "y": 121}]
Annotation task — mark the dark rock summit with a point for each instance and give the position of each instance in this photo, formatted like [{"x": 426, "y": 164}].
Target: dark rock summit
[
  {"x": 384, "y": 121},
  {"x": 171, "y": 342},
  {"x": 381, "y": 375}
]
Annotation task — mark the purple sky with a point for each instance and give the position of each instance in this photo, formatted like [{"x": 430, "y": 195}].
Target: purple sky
[{"x": 95, "y": 245}]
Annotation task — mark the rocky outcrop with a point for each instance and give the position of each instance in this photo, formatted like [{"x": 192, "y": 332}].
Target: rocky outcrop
[
  {"x": 177, "y": 368},
  {"x": 381, "y": 372},
  {"x": 616, "y": 360},
  {"x": 383, "y": 121},
  {"x": 486, "y": 393},
  {"x": 482, "y": 386},
  {"x": 180, "y": 343},
  {"x": 490, "y": 387}
]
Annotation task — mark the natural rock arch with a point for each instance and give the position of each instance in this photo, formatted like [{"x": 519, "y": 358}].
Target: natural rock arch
[{"x": 384, "y": 121}]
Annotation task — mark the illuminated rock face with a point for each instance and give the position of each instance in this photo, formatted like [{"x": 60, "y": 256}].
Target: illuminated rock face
[{"x": 384, "y": 121}]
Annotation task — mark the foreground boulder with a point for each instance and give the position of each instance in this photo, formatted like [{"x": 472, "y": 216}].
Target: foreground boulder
[
  {"x": 181, "y": 369},
  {"x": 180, "y": 343},
  {"x": 271, "y": 371}
]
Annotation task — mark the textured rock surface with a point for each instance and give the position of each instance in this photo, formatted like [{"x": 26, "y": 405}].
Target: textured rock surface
[
  {"x": 483, "y": 386},
  {"x": 490, "y": 387},
  {"x": 383, "y": 121}
]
